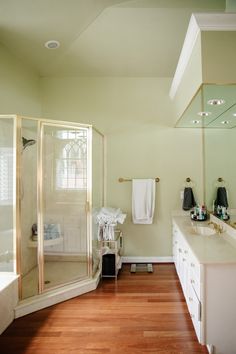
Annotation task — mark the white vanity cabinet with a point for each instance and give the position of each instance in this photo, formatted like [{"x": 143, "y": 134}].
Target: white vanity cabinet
[
  {"x": 188, "y": 270},
  {"x": 206, "y": 266}
]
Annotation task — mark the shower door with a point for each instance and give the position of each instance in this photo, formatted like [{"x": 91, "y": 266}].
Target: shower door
[{"x": 64, "y": 204}]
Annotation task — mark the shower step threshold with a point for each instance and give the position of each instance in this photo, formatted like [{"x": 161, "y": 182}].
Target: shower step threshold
[{"x": 52, "y": 297}]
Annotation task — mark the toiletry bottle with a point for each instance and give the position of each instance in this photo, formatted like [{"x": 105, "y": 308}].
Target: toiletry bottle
[
  {"x": 200, "y": 213},
  {"x": 204, "y": 212}
]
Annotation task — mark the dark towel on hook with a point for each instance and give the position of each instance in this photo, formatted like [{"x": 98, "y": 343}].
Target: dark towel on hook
[
  {"x": 221, "y": 197},
  {"x": 188, "y": 201}
]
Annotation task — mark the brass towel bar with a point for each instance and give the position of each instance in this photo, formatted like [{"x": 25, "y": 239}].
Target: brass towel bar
[{"x": 157, "y": 179}]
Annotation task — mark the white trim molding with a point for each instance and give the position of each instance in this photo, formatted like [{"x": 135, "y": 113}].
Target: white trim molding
[
  {"x": 55, "y": 296},
  {"x": 133, "y": 259},
  {"x": 199, "y": 22}
]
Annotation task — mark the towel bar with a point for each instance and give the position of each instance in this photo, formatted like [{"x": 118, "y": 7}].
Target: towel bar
[{"x": 157, "y": 179}]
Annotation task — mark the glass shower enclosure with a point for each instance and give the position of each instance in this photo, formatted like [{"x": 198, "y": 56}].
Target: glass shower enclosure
[{"x": 45, "y": 198}]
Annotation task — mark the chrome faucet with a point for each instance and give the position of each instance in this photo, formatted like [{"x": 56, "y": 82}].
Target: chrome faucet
[{"x": 218, "y": 228}]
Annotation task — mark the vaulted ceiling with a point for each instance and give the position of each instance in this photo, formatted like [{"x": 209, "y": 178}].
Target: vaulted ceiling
[{"x": 100, "y": 37}]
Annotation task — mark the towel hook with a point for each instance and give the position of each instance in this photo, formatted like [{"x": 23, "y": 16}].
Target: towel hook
[{"x": 188, "y": 182}]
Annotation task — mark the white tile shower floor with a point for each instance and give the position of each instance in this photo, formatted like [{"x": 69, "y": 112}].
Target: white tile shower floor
[{"x": 55, "y": 273}]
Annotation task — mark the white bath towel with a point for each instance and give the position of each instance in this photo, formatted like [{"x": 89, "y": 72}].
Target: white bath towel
[{"x": 143, "y": 200}]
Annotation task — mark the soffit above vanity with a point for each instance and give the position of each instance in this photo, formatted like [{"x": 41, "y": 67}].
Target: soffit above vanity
[
  {"x": 213, "y": 106},
  {"x": 206, "y": 70}
]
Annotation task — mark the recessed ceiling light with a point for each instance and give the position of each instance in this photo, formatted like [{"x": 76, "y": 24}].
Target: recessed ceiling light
[
  {"x": 204, "y": 114},
  {"x": 234, "y": 114},
  {"x": 225, "y": 122},
  {"x": 196, "y": 121},
  {"x": 52, "y": 44},
  {"x": 216, "y": 101}
]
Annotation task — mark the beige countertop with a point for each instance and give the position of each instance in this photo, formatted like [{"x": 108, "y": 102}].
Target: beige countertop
[{"x": 207, "y": 249}]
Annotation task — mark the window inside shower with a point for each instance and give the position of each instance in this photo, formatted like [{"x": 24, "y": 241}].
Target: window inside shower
[{"x": 71, "y": 160}]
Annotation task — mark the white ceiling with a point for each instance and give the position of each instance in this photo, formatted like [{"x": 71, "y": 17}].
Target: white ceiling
[{"x": 100, "y": 37}]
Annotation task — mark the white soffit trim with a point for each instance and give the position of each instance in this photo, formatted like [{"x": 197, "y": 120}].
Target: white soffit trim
[{"x": 199, "y": 22}]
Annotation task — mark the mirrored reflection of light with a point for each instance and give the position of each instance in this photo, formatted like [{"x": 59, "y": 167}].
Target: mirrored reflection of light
[
  {"x": 216, "y": 101},
  {"x": 204, "y": 114}
]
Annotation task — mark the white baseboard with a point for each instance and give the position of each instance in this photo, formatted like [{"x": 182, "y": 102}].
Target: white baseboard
[{"x": 133, "y": 259}]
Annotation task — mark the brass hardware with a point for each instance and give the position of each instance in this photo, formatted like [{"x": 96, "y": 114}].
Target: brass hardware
[
  {"x": 218, "y": 228},
  {"x": 220, "y": 179},
  {"x": 121, "y": 179},
  {"x": 188, "y": 179},
  {"x": 87, "y": 207}
]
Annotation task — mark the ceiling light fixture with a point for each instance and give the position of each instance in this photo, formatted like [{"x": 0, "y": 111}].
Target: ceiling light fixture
[
  {"x": 216, "y": 101},
  {"x": 234, "y": 114},
  {"x": 225, "y": 122},
  {"x": 204, "y": 114},
  {"x": 52, "y": 44},
  {"x": 196, "y": 121}
]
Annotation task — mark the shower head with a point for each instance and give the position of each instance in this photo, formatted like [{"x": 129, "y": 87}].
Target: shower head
[{"x": 27, "y": 142}]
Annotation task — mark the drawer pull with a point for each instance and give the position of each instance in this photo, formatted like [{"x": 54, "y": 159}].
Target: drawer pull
[
  {"x": 192, "y": 281},
  {"x": 184, "y": 259},
  {"x": 192, "y": 265}
]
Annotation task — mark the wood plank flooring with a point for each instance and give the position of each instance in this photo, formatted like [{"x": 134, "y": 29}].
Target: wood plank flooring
[{"x": 139, "y": 313}]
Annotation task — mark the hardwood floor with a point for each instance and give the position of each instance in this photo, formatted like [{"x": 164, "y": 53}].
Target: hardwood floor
[{"x": 139, "y": 313}]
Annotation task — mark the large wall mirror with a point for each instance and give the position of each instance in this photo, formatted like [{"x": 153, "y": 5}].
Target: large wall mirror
[{"x": 213, "y": 109}]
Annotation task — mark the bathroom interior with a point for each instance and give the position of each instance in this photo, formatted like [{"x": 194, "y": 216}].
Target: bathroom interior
[{"x": 67, "y": 134}]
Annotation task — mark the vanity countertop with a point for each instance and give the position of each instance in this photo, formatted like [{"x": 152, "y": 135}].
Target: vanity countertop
[{"x": 207, "y": 249}]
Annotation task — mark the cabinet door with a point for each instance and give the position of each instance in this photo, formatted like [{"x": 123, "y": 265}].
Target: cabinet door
[
  {"x": 175, "y": 248},
  {"x": 194, "y": 306},
  {"x": 183, "y": 267}
]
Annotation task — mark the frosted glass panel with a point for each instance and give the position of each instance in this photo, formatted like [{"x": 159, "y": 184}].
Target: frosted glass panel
[
  {"x": 98, "y": 177},
  {"x": 28, "y": 200},
  {"x": 6, "y": 194},
  {"x": 65, "y": 166}
]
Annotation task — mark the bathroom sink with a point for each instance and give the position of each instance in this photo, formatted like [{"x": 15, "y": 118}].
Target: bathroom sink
[{"x": 202, "y": 230}]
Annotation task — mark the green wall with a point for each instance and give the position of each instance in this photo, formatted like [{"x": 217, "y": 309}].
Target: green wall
[
  {"x": 137, "y": 117},
  {"x": 19, "y": 86}
]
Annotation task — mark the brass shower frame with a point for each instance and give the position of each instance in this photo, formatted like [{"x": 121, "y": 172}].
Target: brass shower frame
[{"x": 42, "y": 122}]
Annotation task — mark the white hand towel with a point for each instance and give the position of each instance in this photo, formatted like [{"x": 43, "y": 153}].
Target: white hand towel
[{"x": 143, "y": 200}]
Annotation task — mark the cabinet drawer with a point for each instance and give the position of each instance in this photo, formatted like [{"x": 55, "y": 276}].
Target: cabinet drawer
[
  {"x": 194, "y": 265},
  {"x": 194, "y": 275}
]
